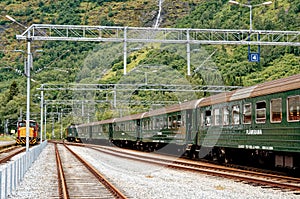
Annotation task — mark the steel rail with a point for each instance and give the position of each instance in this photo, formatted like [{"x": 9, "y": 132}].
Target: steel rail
[
  {"x": 99, "y": 176},
  {"x": 62, "y": 185},
  {"x": 12, "y": 152},
  {"x": 284, "y": 182}
]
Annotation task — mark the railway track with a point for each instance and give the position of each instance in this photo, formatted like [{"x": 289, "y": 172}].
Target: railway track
[
  {"x": 78, "y": 179},
  {"x": 6, "y": 144},
  {"x": 252, "y": 177},
  {"x": 7, "y": 153}
]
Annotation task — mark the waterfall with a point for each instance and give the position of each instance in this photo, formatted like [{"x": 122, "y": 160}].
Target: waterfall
[{"x": 159, "y": 13}]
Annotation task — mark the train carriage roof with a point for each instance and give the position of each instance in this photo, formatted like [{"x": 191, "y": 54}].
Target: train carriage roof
[
  {"x": 130, "y": 117},
  {"x": 98, "y": 122},
  {"x": 174, "y": 108},
  {"x": 275, "y": 86}
]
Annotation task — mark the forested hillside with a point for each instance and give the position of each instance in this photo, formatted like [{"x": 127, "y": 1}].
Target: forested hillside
[{"x": 70, "y": 62}]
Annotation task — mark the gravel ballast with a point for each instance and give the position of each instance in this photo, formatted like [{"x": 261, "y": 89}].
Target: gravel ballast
[{"x": 139, "y": 180}]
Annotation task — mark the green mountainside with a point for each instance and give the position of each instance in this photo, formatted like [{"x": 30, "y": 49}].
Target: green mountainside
[{"x": 70, "y": 62}]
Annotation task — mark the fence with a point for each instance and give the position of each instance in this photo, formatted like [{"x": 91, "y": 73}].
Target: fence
[{"x": 12, "y": 173}]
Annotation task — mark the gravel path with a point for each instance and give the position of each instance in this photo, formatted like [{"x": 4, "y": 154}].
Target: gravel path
[
  {"x": 140, "y": 180},
  {"x": 40, "y": 181}
]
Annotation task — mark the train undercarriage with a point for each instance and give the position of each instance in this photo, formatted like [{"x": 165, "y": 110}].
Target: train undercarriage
[
  {"x": 267, "y": 159},
  {"x": 73, "y": 139},
  {"x": 288, "y": 162}
]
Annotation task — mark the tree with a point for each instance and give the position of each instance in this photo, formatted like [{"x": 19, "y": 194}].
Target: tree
[{"x": 13, "y": 91}]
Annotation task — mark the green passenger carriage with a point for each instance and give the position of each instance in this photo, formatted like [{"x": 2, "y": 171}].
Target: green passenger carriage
[
  {"x": 96, "y": 132},
  {"x": 258, "y": 124},
  {"x": 171, "y": 126}
]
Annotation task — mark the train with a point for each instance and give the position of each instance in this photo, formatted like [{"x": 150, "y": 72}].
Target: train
[
  {"x": 33, "y": 132},
  {"x": 257, "y": 125}
]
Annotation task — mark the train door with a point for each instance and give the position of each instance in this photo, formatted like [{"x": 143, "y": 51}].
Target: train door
[
  {"x": 138, "y": 129},
  {"x": 90, "y": 132},
  {"x": 111, "y": 131},
  {"x": 189, "y": 126}
]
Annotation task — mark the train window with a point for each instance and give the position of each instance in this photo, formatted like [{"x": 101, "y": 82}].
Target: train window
[
  {"x": 247, "y": 114},
  {"x": 293, "y": 104},
  {"x": 22, "y": 124},
  {"x": 235, "y": 114},
  {"x": 174, "y": 121},
  {"x": 225, "y": 114},
  {"x": 157, "y": 123},
  {"x": 178, "y": 122},
  {"x": 149, "y": 124},
  {"x": 216, "y": 117},
  {"x": 165, "y": 122},
  {"x": 208, "y": 118},
  {"x": 152, "y": 124},
  {"x": 276, "y": 110},
  {"x": 122, "y": 127},
  {"x": 169, "y": 122},
  {"x": 160, "y": 124},
  {"x": 129, "y": 126},
  {"x": 261, "y": 112}
]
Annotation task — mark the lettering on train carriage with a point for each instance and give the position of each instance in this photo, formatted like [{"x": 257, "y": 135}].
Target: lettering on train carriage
[{"x": 254, "y": 132}]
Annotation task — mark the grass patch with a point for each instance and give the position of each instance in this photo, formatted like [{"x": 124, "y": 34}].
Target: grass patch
[{"x": 6, "y": 137}]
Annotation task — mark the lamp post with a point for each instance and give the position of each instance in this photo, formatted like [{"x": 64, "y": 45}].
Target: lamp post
[
  {"x": 252, "y": 57},
  {"x": 61, "y": 123},
  {"x": 145, "y": 74},
  {"x": 27, "y": 72},
  {"x": 250, "y": 7},
  {"x": 28, "y": 92},
  {"x": 15, "y": 21}
]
